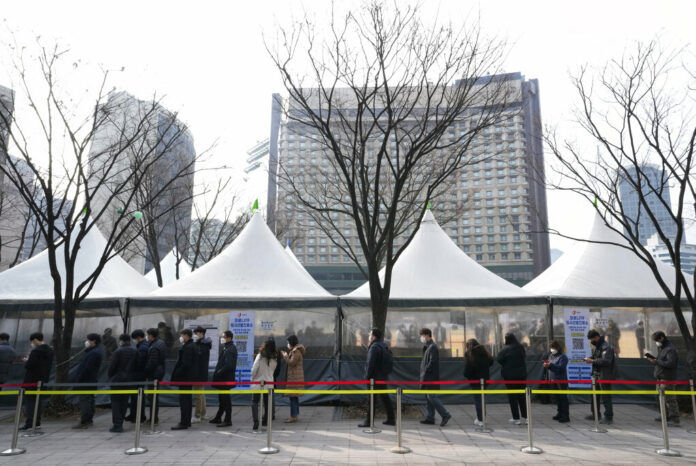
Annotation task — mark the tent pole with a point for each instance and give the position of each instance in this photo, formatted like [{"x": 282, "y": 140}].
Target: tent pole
[
  {"x": 339, "y": 336},
  {"x": 549, "y": 321}
]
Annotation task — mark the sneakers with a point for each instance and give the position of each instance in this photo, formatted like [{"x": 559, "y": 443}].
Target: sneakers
[
  {"x": 25, "y": 427},
  {"x": 429, "y": 422},
  {"x": 291, "y": 420},
  {"x": 478, "y": 423},
  {"x": 116, "y": 429},
  {"x": 195, "y": 420},
  {"x": 516, "y": 422},
  {"x": 523, "y": 421},
  {"x": 445, "y": 420}
]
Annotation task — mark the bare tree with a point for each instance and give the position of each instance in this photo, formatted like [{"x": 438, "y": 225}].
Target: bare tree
[
  {"x": 639, "y": 111},
  {"x": 392, "y": 108},
  {"x": 81, "y": 178}
]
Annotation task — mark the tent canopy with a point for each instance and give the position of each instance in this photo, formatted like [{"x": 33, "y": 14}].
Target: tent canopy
[
  {"x": 602, "y": 272},
  {"x": 168, "y": 269},
  {"x": 254, "y": 266},
  {"x": 433, "y": 270},
  {"x": 31, "y": 280}
]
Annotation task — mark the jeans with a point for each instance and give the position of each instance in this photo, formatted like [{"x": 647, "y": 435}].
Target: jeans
[
  {"x": 478, "y": 402},
  {"x": 185, "y": 407},
  {"x": 119, "y": 406},
  {"x": 562, "y": 403},
  {"x": 518, "y": 403},
  {"x": 87, "y": 407},
  {"x": 605, "y": 400},
  {"x": 294, "y": 406},
  {"x": 432, "y": 403}
]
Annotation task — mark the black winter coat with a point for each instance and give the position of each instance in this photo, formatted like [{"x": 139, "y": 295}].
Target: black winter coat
[
  {"x": 204, "y": 347},
  {"x": 123, "y": 364},
  {"x": 430, "y": 366},
  {"x": 7, "y": 356},
  {"x": 141, "y": 360},
  {"x": 38, "y": 366},
  {"x": 604, "y": 364},
  {"x": 226, "y": 367},
  {"x": 375, "y": 361},
  {"x": 156, "y": 359},
  {"x": 512, "y": 361},
  {"x": 186, "y": 369},
  {"x": 88, "y": 370},
  {"x": 479, "y": 365},
  {"x": 666, "y": 362}
]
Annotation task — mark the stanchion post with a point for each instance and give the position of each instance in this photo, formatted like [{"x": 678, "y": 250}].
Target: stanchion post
[
  {"x": 372, "y": 429},
  {"x": 693, "y": 405},
  {"x": 666, "y": 451},
  {"x": 137, "y": 449},
  {"x": 14, "y": 450},
  {"x": 153, "y": 411},
  {"x": 484, "y": 428},
  {"x": 531, "y": 449},
  {"x": 399, "y": 448},
  {"x": 35, "y": 419},
  {"x": 269, "y": 449},
  {"x": 595, "y": 408}
]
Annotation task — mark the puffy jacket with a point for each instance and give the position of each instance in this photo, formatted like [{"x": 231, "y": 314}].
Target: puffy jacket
[
  {"x": 226, "y": 367},
  {"x": 430, "y": 365},
  {"x": 512, "y": 362},
  {"x": 156, "y": 359},
  {"x": 478, "y": 366},
  {"x": 666, "y": 362},
  {"x": 122, "y": 364},
  {"x": 7, "y": 356},
  {"x": 263, "y": 369},
  {"x": 186, "y": 369},
  {"x": 141, "y": 360},
  {"x": 375, "y": 356},
  {"x": 603, "y": 365},
  {"x": 295, "y": 373},
  {"x": 38, "y": 366},
  {"x": 88, "y": 370},
  {"x": 557, "y": 367},
  {"x": 203, "y": 347}
]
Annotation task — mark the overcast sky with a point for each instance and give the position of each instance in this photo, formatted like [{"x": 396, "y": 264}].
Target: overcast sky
[{"x": 208, "y": 58}]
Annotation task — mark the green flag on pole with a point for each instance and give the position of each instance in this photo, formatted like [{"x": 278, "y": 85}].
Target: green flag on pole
[
  {"x": 428, "y": 206},
  {"x": 595, "y": 201},
  {"x": 255, "y": 207}
]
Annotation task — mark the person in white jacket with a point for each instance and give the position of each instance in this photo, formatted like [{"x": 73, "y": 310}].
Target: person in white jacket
[{"x": 264, "y": 366}]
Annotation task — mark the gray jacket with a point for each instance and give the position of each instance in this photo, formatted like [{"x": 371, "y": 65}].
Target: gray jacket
[
  {"x": 666, "y": 362},
  {"x": 604, "y": 365},
  {"x": 7, "y": 356},
  {"x": 430, "y": 366}
]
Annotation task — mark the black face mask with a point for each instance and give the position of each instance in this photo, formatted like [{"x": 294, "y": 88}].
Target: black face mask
[{"x": 595, "y": 343}]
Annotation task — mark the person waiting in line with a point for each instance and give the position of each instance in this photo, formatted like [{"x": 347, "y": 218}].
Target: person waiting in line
[
  {"x": 379, "y": 366},
  {"x": 121, "y": 369},
  {"x": 204, "y": 345},
  {"x": 514, "y": 367},
  {"x": 88, "y": 372},
  {"x": 640, "y": 338},
  {"x": 603, "y": 368},
  {"x": 37, "y": 368},
  {"x": 138, "y": 374},
  {"x": 262, "y": 371},
  {"x": 295, "y": 373},
  {"x": 109, "y": 343},
  {"x": 7, "y": 357},
  {"x": 430, "y": 372},
  {"x": 556, "y": 366},
  {"x": 185, "y": 370},
  {"x": 477, "y": 366},
  {"x": 225, "y": 371},
  {"x": 155, "y": 365},
  {"x": 666, "y": 363}
]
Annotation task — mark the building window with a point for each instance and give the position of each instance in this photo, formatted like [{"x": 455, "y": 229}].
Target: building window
[
  {"x": 491, "y": 247},
  {"x": 503, "y": 247},
  {"x": 479, "y": 257},
  {"x": 491, "y": 257},
  {"x": 503, "y": 229},
  {"x": 504, "y": 256},
  {"x": 491, "y": 230},
  {"x": 479, "y": 248},
  {"x": 518, "y": 255}
]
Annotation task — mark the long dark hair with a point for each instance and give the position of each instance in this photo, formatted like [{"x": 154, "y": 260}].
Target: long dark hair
[
  {"x": 511, "y": 340},
  {"x": 268, "y": 350},
  {"x": 472, "y": 345}
]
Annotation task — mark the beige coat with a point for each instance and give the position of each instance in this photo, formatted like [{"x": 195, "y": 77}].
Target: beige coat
[{"x": 295, "y": 372}]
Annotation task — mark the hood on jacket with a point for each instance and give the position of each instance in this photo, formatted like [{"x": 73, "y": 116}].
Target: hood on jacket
[
  {"x": 511, "y": 339},
  {"x": 299, "y": 348}
]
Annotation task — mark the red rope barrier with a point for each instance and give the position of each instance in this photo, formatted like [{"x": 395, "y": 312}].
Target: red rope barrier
[
  {"x": 18, "y": 385},
  {"x": 250, "y": 382},
  {"x": 431, "y": 382},
  {"x": 415, "y": 382}
]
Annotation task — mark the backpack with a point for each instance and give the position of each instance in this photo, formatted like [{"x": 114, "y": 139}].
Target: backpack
[{"x": 387, "y": 360}]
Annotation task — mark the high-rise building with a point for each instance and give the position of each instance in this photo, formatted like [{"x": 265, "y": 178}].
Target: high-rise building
[
  {"x": 687, "y": 254},
  {"x": 255, "y": 175},
  {"x": 495, "y": 207},
  {"x": 654, "y": 187},
  {"x": 162, "y": 142},
  {"x": 11, "y": 210}
]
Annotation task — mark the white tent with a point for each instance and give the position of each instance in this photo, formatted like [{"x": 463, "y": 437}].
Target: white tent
[
  {"x": 433, "y": 267},
  {"x": 31, "y": 280},
  {"x": 253, "y": 266},
  {"x": 168, "y": 269},
  {"x": 593, "y": 270}
]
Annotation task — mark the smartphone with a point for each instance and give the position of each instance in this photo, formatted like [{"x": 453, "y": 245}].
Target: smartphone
[{"x": 650, "y": 356}]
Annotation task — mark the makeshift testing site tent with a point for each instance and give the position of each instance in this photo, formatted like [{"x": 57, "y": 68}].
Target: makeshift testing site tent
[
  {"x": 168, "y": 269},
  {"x": 26, "y": 293}
]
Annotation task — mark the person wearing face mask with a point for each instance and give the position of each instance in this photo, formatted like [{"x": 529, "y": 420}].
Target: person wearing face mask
[
  {"x": 88, "y": 372},
  {"x": 121, "y": 369},
  {"x": 429, "y": 372},
  {"x": 204, "y": 345},
  {"x": 295, "y": 373},
  {"x": 155, "y": 366},
  {"x": 666, "y": 364},
  {"x": 225, "y": 371},
  {"x": 380, "y": 362},
  {"x": 37, "y": 368},
  {"x": 556, "y": 366},
  {"x": 603, "y": 368},
  {"x": 185, "y": 370}
]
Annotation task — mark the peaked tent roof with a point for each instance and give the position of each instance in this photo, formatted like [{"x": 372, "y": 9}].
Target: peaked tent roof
[
  {"x": 433, "y": 267},
  {"x": 605, "y": 271},
  {"x": 31, "y": 281},
  {"x": 168, "y": 269},
  {"x": 253, "y": 266},
  {"x": 297, "y": 261}
]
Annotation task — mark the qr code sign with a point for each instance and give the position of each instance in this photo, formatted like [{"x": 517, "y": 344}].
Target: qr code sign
[
  {"x": 241, "y": 346},
  {"x": 578, "y": 343}
]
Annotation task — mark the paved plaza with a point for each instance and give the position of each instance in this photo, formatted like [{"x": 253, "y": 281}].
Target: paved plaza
[{"x": 321, "y": 439}]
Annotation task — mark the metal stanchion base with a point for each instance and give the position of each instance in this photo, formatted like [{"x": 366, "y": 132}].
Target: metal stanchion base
[
  {"x": 13, "y": 451},
  {"x": 372, "y": 430},
  {"x": 268, "y": 450},
  {"x": 484, "y": 430},
  {"x": 598, "y": 430},
  {"x": 531, "y": 450},
  {"x": 152, "y": 432},
  {"x": 667, "y": 452},
  {"x": 136, "y": 451},
  {"x": 400, "y": 450},
  {"x": 33, "y": 434}
]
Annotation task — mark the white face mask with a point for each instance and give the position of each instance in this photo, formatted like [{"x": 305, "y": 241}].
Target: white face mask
[
  {"x": 289, "y": 346},
  {"x": 222, "y": 341},
  {"x": 422, "y": 339},
  {"x": 658, "y": 343},
  {"x": 33, "y": 345},
  {"x": 196, "y": 338},
  {"x": 181, "y": 340},
  {"x": 554, "y": 351},
  {"x": 87, "y": 344}
]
